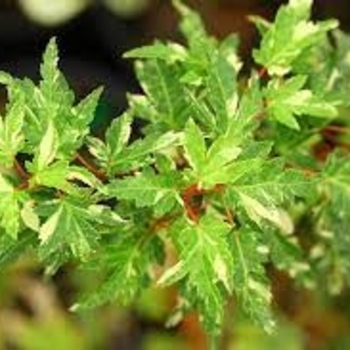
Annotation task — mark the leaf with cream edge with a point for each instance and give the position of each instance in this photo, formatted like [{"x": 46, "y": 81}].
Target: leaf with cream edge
[
  {"x": 287, "y": 100},
  {"x": 249, "y": 279},
  {"x": 239, "y": 148},
  {"x": 11, "y": 132},
  {"x": 291, "y": 33},
  {"x": 68, "y": 217},
  {"x": 263, "y": 193},
  {"x": 205, "y": 265},
  {"x": 127, "y": 260},
  {"x": 330, "y": 254},
  {"x": 10, "y": 207},
  {"x": 149, "y": 190}
]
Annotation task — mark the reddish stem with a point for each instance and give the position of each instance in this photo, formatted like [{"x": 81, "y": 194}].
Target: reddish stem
[
  {"x": 262, "y": 73},
  {"x": 20, "y": 171},
  {"x": 192, "y": 207},
  {"x": 91, "y": 167},
  {"x": 337, "y": 128}
]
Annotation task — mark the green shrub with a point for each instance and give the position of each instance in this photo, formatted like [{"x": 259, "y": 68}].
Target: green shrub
[{"x": 233, "y": 173}]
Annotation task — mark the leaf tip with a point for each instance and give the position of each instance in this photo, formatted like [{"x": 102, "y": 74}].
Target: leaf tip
[{"x": 75, "y": 308}]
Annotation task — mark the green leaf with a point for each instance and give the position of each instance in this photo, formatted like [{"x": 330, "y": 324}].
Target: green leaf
[
  {"x": 287, "y": 100},
  {"x": 261, "y": 24},
  {"x": 250, "y": 107},
  {"x": 219, "y": 157},
  {"x": 289, "y": 35},
  {"x": 205, "y": 262},
  {"x": 10, "y": 207},
  {"x": 336, "y": 177},
  {"x": 84, "y": 113},
  {"x": 98, "y": 149},
  {"x": 76, "y": 173},
  {"x": 47, "y": 148},
  {"x": 126, "y": 260},
  {"x": 258, "y": 211},
  {"x": 272, "y": 181},
  {"x": 263, "y": 192},
  {"x": 222, "y": 89},
  {"x": 116, "y": 155},
  {"x": 142, "y": 107},
  {"x": 327, "y": 66},
  {"x": 169, "y": 52},
  {"x": 29, "y": 217},
  {"x": 11, "y": 133},
  {"x": 51, "y": 105},
  {"x": 75, "y": 126},
  {"x": 161, "y": 83},
  {"x": 192, "y": 28},
  {"x": 12, "y": 249},
  {"x": 287, "y": 255},
  {"x": 201, "y": 111},
  {"x": 249, "y": 277},
  {"x": 138, "y": 153},
  {"x": 195, "y": 148},
  {"x": 54, "y": 175},
  {"x": 331, "y": 250},
  {"x": 117, "y": 135},
  {"x": 48, "y": 68},
  {"x": 147, "y": 189},
  {"x": 70, "y": 227},
  {"x": 203, "y": 171},
  {"x": 226, "y": 162},
  {"x": 54, "y": 93},
  {"x": 201, "y": 46}
]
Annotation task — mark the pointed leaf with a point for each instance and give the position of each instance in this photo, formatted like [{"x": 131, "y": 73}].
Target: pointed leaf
[
  {"x": 12, "y": 249},
  {"x": 162, "y": 86},
  {"x": 69, "y": 227},
  {"x": 195, "y": 146},
  {"x": 169, "y": 52},
  {"x": 205, "y": 262},
  {"x": 126, "y": 260},
  {"x": 288, "y": 100},
  {"x": 250, "y": 281},
  {"x": 118, "y": 134},
  {"x": 10, "y": 207},
  {"x": 47, "y": 148},
  {"x": 147, "y": 189},
  {"x": 11, "y": 132},
  {"x": 222, "y": 88},
  {"x": 289, "y": 35}
]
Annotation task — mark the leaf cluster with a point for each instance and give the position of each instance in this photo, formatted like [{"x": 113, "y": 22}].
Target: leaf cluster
[{"x": 220, "y": 177}]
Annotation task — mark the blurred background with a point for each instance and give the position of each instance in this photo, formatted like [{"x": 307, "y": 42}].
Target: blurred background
[{"x": 92, "y": 36}]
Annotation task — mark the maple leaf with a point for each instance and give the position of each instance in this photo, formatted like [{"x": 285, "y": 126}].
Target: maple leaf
[
  {"x": 68, "y": 217},
  {"x": 289, "y": 35},
  {"x": 127, "y": 260},
  {"x": 250, "y": 282},
  {"x": 287, "y": 100},
  {"x": 205, "y": 262},
  {"x": 10, "y": 207}
]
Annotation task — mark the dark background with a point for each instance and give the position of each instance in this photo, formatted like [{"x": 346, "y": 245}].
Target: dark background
[{"x": 91, "y": 44}]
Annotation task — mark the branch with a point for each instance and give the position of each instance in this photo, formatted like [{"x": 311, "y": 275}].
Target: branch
[
  {"x": 20, "y": 171},
  {"x": 262, "y": 72},
  {"x": 91, "y": 167},
  {"x": 337, "y": 128}
]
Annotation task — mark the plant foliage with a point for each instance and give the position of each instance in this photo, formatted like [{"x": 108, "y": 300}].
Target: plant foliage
[{"x": 220, "y": 177}]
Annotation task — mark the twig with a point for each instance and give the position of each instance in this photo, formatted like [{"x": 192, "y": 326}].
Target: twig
[
  {"x": 91, "y": 167},
  {"x": 262, "y": 72},
  {"x": 228, "y": 212},
  {"x": 20, "y": 171},
  {"x": 337, "y": 128}
]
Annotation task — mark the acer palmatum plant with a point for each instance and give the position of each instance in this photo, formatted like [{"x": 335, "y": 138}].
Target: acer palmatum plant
[{"x": 222, "y": 176}]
